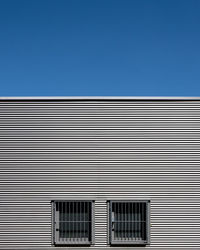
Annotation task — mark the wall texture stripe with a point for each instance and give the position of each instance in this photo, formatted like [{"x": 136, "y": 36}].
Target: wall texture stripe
[{"x": 99, "y": 150}]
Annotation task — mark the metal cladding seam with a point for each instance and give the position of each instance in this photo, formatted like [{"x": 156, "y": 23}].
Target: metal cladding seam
[{"x": 99, "y": 150}]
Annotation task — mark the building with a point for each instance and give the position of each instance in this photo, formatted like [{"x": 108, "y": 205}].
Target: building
[{"x": 100, "y": 173}]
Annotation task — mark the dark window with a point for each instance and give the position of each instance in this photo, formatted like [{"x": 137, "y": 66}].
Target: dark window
[
  {"x": 73, "y": 222},
  {"x": 129, "y": 222}
]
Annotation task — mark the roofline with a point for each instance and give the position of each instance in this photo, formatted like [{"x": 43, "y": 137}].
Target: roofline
[{"x": 100, "y": 98}]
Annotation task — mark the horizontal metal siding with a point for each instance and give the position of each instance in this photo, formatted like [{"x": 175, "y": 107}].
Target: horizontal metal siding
[{"x": 99, "y": 150}]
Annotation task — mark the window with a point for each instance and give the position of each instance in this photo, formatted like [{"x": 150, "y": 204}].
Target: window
[
  {"x": 129, "y": 222},
  {"x": 73, "y": 222}
]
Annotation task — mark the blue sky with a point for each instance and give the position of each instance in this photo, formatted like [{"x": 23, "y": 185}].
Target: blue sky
[{"x": 100, "y": 48}]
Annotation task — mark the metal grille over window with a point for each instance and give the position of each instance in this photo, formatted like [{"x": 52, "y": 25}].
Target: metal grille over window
[
  {"x": 73, "y": 222},
  {"x": 129, "y": 222}
]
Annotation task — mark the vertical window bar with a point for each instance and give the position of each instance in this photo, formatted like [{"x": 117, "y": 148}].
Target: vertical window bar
[
  {"x": 138, "y": 220},
  {"x": 146, "y": 219},
  {"x": 113, "y": 226},
  {"x": 135, "y": 219},
  {"x": 69, "y": 220},
  {"x": 77, "y": 222},
  {"x": 57, "y": 221},
  {"x": 125, "y": 224},
  {"x": 136, "y": 204},
  {"x": 132, "y": 222},
  {"x": 139, "y": 223},
  {"x": 61, "y": 213},
  {"x": 73, "y": 218},
  {"x": 124, "y": 230},
  {"x": 113, "y": 216},
  {"x": 143, "y": 219},
  {"x": 119, "y": 218},
  {"x": 69, "y": 223},
  {"x": 131, "y": 215},
  {"x": 127, "y": 221},
  {"x": 115, "y": 220},
  {"x": 132, "y": 219},
  {"x": 84, "y": 221},
  {"x": 87, "y": 221},
  {"x": 74, "y": 238},
  {"x": 82, "y": 225},
  {"x": 112, "y": 220},
  {"x": 118, "y": 221},
  {"x": 74, "y": 221},
  {"x": 128, "y": 210},
  {"x": 77, "y": 225},
  {"x": 79, "y": 211},
  {"x": 58, "y": 204},
  {"x": 121, "y": 221},
  {"x": 65, "y": 223},
  {"x": 61, "y": 219},
  {"x": 79, "y": 216},
  {"x": 120, "y": 224}
]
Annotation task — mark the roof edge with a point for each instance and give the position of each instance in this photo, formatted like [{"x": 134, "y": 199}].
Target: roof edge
[{"x": 99, "y": 98}]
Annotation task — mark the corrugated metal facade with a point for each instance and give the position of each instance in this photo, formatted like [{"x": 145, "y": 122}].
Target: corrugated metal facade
[{"x": 99, "y": 150}]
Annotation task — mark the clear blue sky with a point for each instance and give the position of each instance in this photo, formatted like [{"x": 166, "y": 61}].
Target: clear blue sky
[{"x": 100, "y": 47}]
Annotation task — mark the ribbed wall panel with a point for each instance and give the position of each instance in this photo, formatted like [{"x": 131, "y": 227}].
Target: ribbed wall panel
[{"x": 99, "y": 150}]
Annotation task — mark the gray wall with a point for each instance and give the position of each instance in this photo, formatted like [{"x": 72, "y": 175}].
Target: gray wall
[{"x": 99, "y": 150}]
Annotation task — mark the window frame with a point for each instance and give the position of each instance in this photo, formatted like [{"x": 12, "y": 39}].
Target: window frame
[
  {"x": 55, "y": 240},
  {"x": 124, "y": 242}
]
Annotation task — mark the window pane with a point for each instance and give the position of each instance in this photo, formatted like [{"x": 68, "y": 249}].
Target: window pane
[
  {"x": 74, "y": 222},
  {"x": 129, "y": 221}
]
